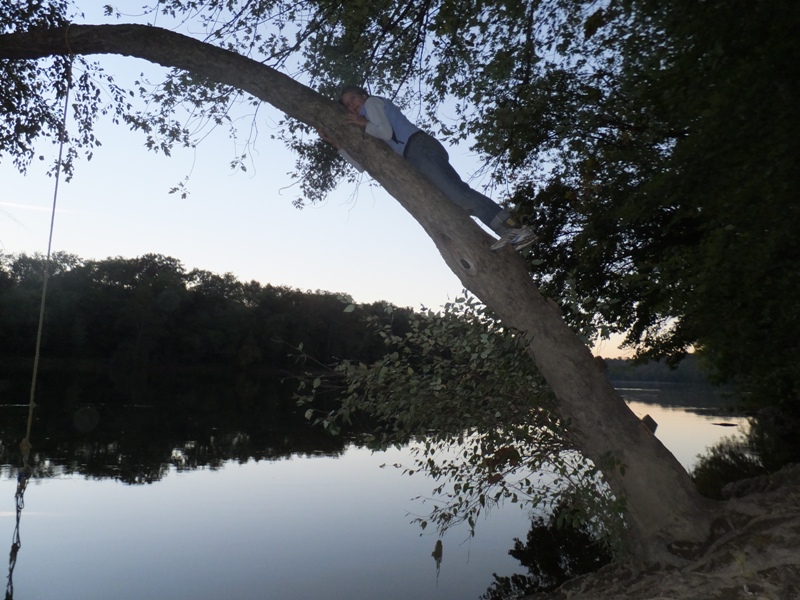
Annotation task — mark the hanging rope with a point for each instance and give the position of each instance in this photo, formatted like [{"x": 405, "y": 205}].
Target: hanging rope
[{"x": 25, "y": 445}]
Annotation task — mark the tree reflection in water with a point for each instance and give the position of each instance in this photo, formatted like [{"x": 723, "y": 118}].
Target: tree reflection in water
[
  {"x": 92, "y": 427},
  {"x": 104, "y": 428},
  {"x": 553, "y": 554},
  {"x": 100, "y": 428}
]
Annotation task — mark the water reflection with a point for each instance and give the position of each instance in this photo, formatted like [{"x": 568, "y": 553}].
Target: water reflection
[
  {"x": 690, "y": 418},
  {"x": 248, "y": 494},
  {"x": 437, "y": 557},
  {"x": 136, "y": 435},
  {"x": 267, "y": 524},
  {"x": 16, "y": 541},
  {"x": 98, "y": 428},
  {"x": 553, "y": 554}
]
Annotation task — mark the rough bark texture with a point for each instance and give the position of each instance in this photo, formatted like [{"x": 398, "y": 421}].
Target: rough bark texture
[{"x": 663, "y": 504}]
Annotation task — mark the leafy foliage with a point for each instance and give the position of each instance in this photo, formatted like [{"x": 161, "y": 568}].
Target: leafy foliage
[
  {"x": 728, "y": 461},
  {"x": 466, "y": 384},
  {"x": 34, "y": 93},
  {"x": 658, "y": 200}
]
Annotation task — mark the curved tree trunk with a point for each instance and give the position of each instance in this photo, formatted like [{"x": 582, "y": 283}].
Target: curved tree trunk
[{"x": 662, "y": 503}]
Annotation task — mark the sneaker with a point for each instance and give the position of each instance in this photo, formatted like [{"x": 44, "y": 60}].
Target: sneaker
[
  {"x": 524, "y": 238},
  {"x": 505, "y": 239},
  {"x": 519, "y": 238}
]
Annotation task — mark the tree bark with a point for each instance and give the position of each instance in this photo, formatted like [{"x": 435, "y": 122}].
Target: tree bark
[{"x": 662, "y": 503}]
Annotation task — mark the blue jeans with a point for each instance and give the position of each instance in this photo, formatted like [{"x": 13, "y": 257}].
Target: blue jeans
[{"x": 427, "y": 155}]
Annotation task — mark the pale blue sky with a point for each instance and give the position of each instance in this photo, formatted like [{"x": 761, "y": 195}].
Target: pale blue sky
[{"x": 360, "y": 242}]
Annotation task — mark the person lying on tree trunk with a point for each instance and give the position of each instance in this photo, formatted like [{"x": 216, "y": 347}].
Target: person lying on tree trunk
[{"x": 382, "y": 119}]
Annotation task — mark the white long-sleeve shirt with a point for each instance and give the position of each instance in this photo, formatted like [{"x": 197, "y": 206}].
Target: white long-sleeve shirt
[{"x": 385, "y": 122}]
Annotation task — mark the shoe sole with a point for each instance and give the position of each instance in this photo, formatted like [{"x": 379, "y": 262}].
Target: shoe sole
[{"x": 523, "y": 245}]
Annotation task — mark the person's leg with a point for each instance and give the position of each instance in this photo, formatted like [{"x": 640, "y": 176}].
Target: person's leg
[{"x": 427, "y": 155}]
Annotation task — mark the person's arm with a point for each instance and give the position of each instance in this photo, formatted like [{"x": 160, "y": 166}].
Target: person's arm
[
  {"x": 342, "y": 152},
  {"x": 378, "y": 125}
]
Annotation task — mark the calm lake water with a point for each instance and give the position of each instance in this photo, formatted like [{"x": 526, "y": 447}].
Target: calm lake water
[{"x": 275, "y": 521}]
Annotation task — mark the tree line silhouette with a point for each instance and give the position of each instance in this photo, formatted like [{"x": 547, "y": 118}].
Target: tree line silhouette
[{"x": 151, "y": 311}]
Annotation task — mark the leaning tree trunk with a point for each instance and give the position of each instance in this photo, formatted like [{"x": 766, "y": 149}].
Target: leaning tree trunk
[{"x": 663, "y": 505}]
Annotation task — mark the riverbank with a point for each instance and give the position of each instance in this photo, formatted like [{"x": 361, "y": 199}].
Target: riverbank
[{"x": 758, "y": 559}]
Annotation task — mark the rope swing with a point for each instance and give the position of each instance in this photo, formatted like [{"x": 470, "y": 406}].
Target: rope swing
[{"x": 25, "y": 445}]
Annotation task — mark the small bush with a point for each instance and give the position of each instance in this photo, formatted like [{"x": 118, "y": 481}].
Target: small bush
[{"x": 728, "y": 461}]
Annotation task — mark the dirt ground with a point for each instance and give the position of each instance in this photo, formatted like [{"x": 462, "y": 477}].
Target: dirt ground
[{"x": 758, "y": 559}]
